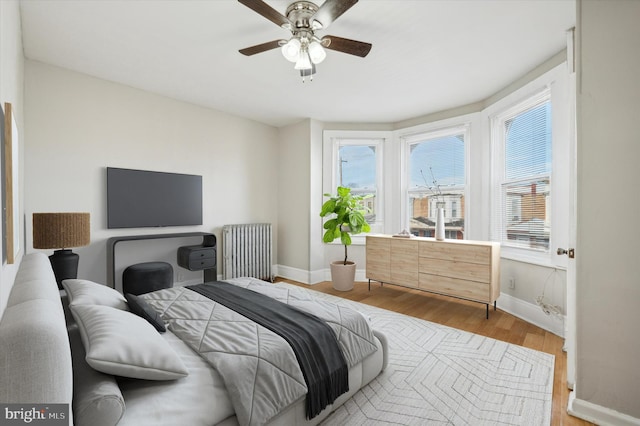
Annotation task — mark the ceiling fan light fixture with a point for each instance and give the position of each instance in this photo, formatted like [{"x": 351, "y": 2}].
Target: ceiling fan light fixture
[
  {"x": 291, "y": 50},
  {"x": 303, "y": 18},
  {"x": 303, "y": 63},
  {"x": 317, "y": 53}
]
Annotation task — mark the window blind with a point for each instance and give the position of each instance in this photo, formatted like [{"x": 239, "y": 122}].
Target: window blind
[{"x": 526, "y": 184}]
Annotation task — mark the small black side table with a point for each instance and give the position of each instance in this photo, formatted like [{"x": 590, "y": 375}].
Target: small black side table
[{"x": 208, "y": 240}]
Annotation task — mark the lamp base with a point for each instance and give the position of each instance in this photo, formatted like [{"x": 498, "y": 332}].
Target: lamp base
[{"x": 64, "y": 264}]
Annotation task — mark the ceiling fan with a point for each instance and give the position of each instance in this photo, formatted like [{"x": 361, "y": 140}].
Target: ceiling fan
[{"x": 303, "y": 19}]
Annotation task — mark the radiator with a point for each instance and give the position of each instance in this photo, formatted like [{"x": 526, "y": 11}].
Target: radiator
[{"x": 247, "y": 250}]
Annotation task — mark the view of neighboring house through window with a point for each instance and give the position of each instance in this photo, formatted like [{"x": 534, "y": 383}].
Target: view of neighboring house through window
[
  {"x": 436, "y": 178},
  {"x": 357, "y": 169},
  {"x": 524, "y": 140}
]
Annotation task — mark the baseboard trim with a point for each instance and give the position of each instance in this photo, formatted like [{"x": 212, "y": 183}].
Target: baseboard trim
[
  {"x": 598, "y": 414},
  {"x": 531, "y": 313},
  {"x": 295, "y": 274},
  {"x": 312, "y": 277}
]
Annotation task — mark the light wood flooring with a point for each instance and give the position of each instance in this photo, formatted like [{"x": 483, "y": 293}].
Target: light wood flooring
[{"x": 467, "y": 316}]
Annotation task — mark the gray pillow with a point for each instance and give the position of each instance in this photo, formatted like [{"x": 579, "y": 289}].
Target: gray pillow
[
  {"x": 139, "y": 306},
  {"x": 97, "y": 400}
]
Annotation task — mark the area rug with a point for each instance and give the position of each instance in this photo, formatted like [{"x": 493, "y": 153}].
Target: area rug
[{"x": 439, "y": 375}]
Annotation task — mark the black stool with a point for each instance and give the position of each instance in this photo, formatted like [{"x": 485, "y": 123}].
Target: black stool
[{"x": 145, "y": 277}]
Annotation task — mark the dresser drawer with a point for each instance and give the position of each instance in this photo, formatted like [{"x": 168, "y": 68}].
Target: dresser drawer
[
  {"x": 459, "y": 252},
  {"x": 471, "y": 290},
  {"x": 199, "y": 264},
  {"x": 196, "y": 258},
  {"x": 453, "y": 269}
]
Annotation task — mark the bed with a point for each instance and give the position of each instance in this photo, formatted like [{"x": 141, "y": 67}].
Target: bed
[{"x": 114, "y": 367}]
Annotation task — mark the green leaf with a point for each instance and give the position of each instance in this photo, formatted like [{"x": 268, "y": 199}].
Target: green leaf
[
  {"x": 366, "y": 227},
  {"x": 336, "y": 233},
  {"x": 345, "y": 238},
  {"x": 331, "y": 223},
  {"x": 328, "y": 207},
  {"x": 343, "y": 192},
  {"x": 328, "y": 236}
]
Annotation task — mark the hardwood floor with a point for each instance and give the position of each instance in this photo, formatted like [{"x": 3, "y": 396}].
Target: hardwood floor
[{"x": 467, "y": 316}]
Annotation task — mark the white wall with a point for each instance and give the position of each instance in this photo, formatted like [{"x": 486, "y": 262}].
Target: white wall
[
  {"x": 316, "y": 245},
  {"x": 11, "y": 90},
  {"x": 78, "y": 125},
  {"x": 293, "y": 198},
  {"x": 608, "y": 270},
  {"x": 301, "y": 251}
]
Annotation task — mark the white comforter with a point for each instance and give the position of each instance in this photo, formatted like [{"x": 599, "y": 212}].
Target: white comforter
[{"x": 257, "y": 366}]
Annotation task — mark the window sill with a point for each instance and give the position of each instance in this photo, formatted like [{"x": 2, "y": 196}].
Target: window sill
[{"x": 545, "y": 259}]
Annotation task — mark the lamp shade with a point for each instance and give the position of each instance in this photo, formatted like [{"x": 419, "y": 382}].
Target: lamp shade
[
  {"x": 303, "y": 62},
  {"x": 60, "y": 230},
  {"x": 316, "y": 52},
  {"x": 291, "y": 50}
]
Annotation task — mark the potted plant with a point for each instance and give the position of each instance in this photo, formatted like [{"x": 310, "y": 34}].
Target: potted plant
[{"x": 346, "y": 212}]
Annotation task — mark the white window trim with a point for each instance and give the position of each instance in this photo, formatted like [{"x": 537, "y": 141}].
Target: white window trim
[
  {"x": 457, "y": 125},
  {"x": 553, "y": 84},
  {"x": 331, "y": 141}
]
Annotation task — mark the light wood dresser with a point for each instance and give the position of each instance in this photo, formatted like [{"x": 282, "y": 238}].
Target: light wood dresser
[{"x": 459, "y": 268}]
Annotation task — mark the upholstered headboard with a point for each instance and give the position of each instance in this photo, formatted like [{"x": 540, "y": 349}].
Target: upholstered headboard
[{"x": 35, "y": 357}]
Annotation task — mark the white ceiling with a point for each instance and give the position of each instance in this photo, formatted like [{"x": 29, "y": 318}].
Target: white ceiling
[{"x": 427, "y": 56}]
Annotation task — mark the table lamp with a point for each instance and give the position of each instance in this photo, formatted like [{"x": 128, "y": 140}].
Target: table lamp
[{"x": 61, "y": 231}]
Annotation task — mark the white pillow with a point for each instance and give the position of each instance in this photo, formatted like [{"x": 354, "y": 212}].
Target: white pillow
[
  {"x": 84, "y": 292},
  {"x": 123, "y": 344}
]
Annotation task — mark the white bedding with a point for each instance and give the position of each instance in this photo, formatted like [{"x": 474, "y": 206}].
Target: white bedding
[
  {"x": 198, "y": 399},
  {"x": 201, "y": 398}
]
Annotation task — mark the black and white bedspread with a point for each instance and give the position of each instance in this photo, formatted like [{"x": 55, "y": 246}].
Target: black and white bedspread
[{"x": 259, "y": 367}]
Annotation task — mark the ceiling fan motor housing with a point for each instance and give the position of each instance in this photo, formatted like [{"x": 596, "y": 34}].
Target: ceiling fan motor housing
[{"x": 300, "y": 13}]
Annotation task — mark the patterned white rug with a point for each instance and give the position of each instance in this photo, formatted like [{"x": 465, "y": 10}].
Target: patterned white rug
[{"x": 441, "y": 375}]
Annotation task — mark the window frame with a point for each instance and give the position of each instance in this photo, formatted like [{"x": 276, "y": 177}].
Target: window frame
[
  {"x": 552, "y": 85},
  {"x": 332, "y": 141},
  {"x": 460, "y": 125}
]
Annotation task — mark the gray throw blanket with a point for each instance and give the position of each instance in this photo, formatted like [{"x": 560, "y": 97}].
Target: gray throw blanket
[
  {"x": 259, "y": 367},
  {"x": 312, "y": 340}
]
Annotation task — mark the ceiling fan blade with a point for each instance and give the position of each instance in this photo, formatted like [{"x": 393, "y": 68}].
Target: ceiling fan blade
[
  {"x": 352, "y": 47},
  {"x": 332, "y": 10},
  {"x": 268, "y": 12},
  {"x": 259, "y": 48}
]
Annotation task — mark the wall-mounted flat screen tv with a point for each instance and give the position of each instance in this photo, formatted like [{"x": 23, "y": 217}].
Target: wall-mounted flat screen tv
[{"x": 141, "y": 198}]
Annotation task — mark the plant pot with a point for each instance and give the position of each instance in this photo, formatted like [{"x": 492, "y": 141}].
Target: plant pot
[{"x": 343, "y": 276}]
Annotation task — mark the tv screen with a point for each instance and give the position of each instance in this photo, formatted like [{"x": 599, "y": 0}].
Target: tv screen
[{"x": 141, "y": 198}]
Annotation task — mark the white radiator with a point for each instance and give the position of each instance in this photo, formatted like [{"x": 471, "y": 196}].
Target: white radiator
[{"x": 247, "y": 250}]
